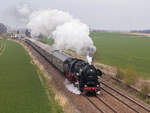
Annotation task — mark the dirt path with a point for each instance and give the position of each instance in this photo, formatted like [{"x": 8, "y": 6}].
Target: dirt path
[{"x": 139, "y": 34}]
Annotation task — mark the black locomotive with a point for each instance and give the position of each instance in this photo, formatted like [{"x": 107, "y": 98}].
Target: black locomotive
[{"x": 82, "y": 75}]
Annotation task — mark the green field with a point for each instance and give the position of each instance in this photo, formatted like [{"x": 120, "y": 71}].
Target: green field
[
  {"x": 124, "y": 51},
  {"x": 20, "y": 88}
]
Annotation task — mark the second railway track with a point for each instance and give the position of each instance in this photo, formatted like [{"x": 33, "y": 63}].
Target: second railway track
[{"x": 124, "y": 99}]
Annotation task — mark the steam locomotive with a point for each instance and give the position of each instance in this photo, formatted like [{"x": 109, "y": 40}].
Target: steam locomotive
[{"x": 83, "y": 75}]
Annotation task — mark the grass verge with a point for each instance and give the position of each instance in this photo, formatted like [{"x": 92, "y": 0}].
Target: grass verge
[{"x": 20, "y": 88}]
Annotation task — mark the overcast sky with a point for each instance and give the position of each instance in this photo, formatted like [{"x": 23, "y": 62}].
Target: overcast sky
[{"x": 101, "y": 14}]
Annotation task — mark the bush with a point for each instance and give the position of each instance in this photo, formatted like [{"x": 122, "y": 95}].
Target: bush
[
  {"x": 131, "y": 76},
  {"x": 145, "y": 90},
  {"x": 120, "y": 74}
]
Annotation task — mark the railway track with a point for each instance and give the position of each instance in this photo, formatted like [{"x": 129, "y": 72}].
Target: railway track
[
  {"x": 126, "y": 100},
  {"x": 94, "y": 105},
  {"x": 88, "y": 98},
  {"x": 110, "y": 105},
  {"x": 103, "y": 107}
]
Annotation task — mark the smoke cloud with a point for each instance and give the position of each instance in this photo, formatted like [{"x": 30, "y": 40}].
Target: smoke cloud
[{"x": 66, "y": 31}]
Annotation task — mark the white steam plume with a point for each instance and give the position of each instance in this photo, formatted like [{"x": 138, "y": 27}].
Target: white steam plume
[
  {"x": 71, "y": 87},
  {"x": 67, "y": 31},
  {"x": 46, "y": 21}
]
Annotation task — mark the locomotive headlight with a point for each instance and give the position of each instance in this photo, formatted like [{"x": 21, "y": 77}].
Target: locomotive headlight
[{"x": 85, "y": 85}]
